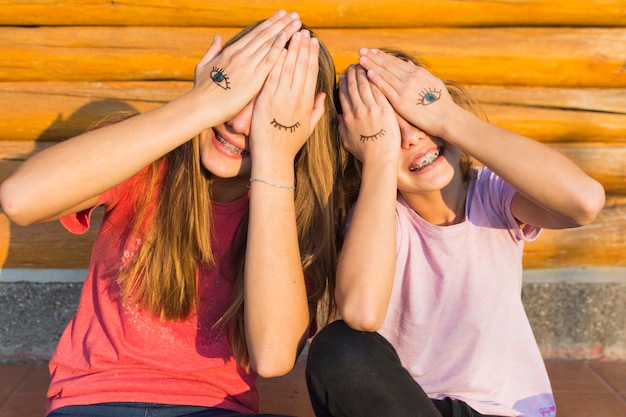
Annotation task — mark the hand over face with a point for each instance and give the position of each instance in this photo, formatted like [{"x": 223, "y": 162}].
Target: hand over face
[
  {"x": 235, "y": 75},
  {"x": 418, "y": 96},
  {"x": 368, "y": 125},
  {"x": 287, "y": 108}
]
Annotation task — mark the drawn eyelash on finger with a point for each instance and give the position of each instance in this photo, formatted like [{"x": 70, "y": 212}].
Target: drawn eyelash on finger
[
  {"x": 279, "y": 126},
  {"x": 373, "y": 137},
  {"x": 219, "y": 78}
]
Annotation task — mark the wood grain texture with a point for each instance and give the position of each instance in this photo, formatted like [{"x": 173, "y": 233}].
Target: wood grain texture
[
  {"x": 316, "y": 13},
  {"x": 48, "y": 245},
  {"x": 553, "y": 70},
  {"x": 593, "y": 133},
  {"x": 564, "y": 57},
  {"x": 600, "y": 244},
  {"x": 58, "y": 110}
]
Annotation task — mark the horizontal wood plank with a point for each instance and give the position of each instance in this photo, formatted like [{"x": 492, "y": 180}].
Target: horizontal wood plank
[
  {"x": 599, "y": 244},
  {"x": 565, "y": 57},
  {"x": 604, "y": 162},
  {"x": 46, "y": 245},
  {"x": 318, "y": 13},
  {"x": 603, "y": 243},
  {"x": 58, "y": 110}
]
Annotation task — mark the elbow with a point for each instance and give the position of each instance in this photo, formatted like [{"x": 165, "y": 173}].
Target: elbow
[
  {"x": 274, "y": 356},
  {"x": 590, "y": 205},
  {"x": 11, "y": 205},
  {"x": 271, "y": 366},
  {"x": 362, "y": 318}
]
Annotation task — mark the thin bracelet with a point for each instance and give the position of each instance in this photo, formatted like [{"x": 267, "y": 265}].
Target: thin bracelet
[{"x": 273, "y": 184}]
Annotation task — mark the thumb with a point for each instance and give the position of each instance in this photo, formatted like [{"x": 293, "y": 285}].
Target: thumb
[
  {"x": 212, "y": 52},
  {"x": 318, "y": 110}
]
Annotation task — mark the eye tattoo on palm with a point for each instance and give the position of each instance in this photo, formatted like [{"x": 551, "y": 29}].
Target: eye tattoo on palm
[
  {"x": 279, "y": 126},
  {"x": 373, "y": 137},
  {"x": 220, "y": 78},
  {"x": 428, "y": 96}
]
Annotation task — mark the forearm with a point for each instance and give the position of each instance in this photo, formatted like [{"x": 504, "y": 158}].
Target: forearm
[
  {"x": 81, "y": 168},
  {"x": 367, "y": 260},
  {"x": 276, "y": 313},
  {"x": 540, "y": 174}
]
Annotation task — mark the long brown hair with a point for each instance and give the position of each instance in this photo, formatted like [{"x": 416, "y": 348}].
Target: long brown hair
[{"x": 162, "y": 276}]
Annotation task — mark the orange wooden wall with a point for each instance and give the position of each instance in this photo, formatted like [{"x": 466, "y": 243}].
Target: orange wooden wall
[{"x": 554, "y": 70}]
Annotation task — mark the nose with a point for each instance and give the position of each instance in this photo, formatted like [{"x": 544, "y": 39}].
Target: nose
[
  {"x": 240, "y": 123},
  {"x": 410, "y": 134}
]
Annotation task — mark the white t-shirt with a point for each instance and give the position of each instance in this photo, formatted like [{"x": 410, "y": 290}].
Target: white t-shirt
[{"x": 456, "y": 317}]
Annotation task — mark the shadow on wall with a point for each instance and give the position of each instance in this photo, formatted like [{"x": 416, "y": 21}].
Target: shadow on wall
[{"x": 48, "y": 245}]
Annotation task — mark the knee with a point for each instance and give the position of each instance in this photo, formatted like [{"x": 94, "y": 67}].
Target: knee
[{"x": 340, "y": 350}]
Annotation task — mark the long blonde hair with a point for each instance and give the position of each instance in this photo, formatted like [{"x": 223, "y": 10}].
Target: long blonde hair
[{"x": 162, "y": 276}]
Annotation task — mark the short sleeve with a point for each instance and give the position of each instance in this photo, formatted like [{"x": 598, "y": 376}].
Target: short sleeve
[
  {"x": 504, "y": 193},
  {"x": 78, "y": 223}
]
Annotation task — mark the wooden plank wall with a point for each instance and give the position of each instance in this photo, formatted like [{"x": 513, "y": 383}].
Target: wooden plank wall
[{"x": 554, "y": 70}]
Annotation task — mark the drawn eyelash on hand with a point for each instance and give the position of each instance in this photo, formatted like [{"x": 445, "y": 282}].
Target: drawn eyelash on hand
[
  {"x": 219, "y": 78},
  {"x": 428, "y": 96},
  {"x": 374, "y": 136},
  {"x": 291, "y": 128}
]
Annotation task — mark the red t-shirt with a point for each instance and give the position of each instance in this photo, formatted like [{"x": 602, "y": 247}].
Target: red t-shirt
[{"x": 113, "y": 352}]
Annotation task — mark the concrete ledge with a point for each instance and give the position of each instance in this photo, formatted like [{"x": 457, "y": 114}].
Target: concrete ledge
[
  {"x": 578, "y": 320},
  {"x": 42, "y": 275},
  {"x": 574, "y": 313}
]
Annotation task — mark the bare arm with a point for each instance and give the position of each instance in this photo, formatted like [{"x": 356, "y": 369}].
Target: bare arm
[
  {"x": 552, "y": 191},
  {"x": 277, "y": 314},
  {"x": 69, "y": 176},
  {"x": 366, "y": 264}
]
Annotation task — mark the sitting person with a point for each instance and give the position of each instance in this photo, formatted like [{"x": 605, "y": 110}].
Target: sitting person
[{"x": 430, "y": 274}]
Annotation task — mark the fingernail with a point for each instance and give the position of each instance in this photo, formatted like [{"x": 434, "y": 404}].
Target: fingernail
[
  {"x": 363, "y": 51},
  {"x": 306, "y": 33},
  {"x": 294, "y": 15},
  {"x": 281, "y": 13}
]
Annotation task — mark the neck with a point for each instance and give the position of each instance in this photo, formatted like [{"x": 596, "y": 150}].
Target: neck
[
  {"x": 225, "y": 190},
  {"x": 442, "y": 207}
]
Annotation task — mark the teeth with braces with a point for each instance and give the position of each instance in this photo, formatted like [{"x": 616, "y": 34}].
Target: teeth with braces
[
  {"x": 427, "y": 160},
  {"x": 228, "y": 146}
]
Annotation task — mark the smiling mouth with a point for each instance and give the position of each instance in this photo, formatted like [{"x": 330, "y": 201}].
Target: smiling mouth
[
  {"x": 229, "y": 146},
  {"x": 426, "y": 160}
]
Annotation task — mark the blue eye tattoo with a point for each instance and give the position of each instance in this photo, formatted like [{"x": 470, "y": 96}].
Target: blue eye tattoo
[
  {"x": 291, "y": 128},
  {"x": 373, "y": 137},
  {"x": 428, "y": 96},
  {"x": 219, "y": 78}
]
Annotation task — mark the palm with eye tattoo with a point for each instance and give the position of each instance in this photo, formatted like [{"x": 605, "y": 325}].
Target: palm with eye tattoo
[{"x": 368, "y": 125}]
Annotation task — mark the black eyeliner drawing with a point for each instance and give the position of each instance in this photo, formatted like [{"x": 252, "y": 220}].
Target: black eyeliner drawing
[
  {"x": 279, "y": 126},
  {"x": 373, "y": 137}
]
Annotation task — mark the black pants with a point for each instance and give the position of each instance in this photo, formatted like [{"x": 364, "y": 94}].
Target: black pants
[{"x": 358, "y": 374}]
